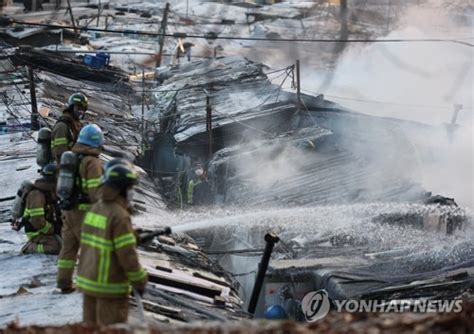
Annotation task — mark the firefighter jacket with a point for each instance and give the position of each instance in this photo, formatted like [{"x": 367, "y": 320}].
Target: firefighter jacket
[
  {"x": 108, "y": 263},
  {"x": 39, "y": 209},
  {"x": 90, "y": 173},
  {"x": 64, "y": 135},
  {"x": 190, "y": 191},
  {"x": 88, "y": 181}
]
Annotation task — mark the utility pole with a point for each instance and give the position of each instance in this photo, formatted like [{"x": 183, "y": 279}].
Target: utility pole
[
  {"x": 457, "y": 109},
  {"x": 451, "y": 127},
  {"x": 298, "y": 87},
  {"x": 34, "y": 106},
  {"x": 98, "y": 14},
  {"x": 143, "y": 104},
  {"x": 164, "y": 23},
  {"x": 209, "y": 124},
  {"x": 344, "y": 34},
  {"x": 344, "y": 29},
  {"x": 389, "y": 16},
  {"x": 69, "y": 8}
]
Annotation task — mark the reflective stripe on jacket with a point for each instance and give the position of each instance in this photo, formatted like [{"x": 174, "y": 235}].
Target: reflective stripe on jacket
[
  {"x": 108, "y": 263},
  {"x": 39, "y": 213},
  {"x": 90, "y": 173},
  {"x": 190, "y": 194},
  {"x": 64, "y": 135}
]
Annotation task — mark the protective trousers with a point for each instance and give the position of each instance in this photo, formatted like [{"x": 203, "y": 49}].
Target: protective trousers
[
  {"x": 104, "y": 311},
  {"x": 46, "y": 244},
  {"x": 71, "y": 234}
]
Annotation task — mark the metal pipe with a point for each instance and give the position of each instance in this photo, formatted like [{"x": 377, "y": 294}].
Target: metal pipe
[{"x": 271, "y": 239}]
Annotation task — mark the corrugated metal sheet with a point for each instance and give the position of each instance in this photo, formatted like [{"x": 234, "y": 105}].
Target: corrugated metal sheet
[{"x": 238, "y": 90}]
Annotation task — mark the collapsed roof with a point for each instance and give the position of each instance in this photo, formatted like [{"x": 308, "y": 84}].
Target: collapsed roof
[
  {"x": 265, "y": 152},
  {"x": 237, "y": 88}
]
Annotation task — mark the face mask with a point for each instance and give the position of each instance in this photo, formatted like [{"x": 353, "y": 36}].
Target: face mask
[
  {"x": 130, "y": 195},
  {"x": 79, "y": 112},
  {"x": 199, "y": 172}
]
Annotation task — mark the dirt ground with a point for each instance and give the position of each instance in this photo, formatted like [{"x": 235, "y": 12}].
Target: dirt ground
[{"x": 462, "y": 322}]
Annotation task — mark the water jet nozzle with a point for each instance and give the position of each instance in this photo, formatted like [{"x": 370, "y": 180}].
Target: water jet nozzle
[{"x": 147, "y": 236}]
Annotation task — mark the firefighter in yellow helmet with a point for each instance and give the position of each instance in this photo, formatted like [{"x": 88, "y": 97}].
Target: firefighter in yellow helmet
[
  {"x": 87, "y": 150},
  {"x": 66, "y": 130},
  {"x": 41, "y": 218},
  {"x": 108, "y": 264}
]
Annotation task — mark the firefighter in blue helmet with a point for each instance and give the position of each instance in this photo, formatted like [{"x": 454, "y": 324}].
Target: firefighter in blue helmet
[{"x": 87, "y": 181}]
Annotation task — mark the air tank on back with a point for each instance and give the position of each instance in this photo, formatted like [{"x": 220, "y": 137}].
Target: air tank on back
[
  {"x": 65, "y": 186},
  {"x": 18, "y": 204},
  {"x": 43, "y": 152}
]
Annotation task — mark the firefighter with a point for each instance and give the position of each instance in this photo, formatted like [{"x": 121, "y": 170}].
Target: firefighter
[
  {"x": 108, "y": 263},
  {"x": 41, "y": 217},
  {"x": 198, "y": 190},
  {"x": 66, "y": 130},
  {"x": 87, "y": 149}
]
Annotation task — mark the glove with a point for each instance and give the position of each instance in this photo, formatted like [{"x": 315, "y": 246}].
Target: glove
[{"x": 17, "y": 224}]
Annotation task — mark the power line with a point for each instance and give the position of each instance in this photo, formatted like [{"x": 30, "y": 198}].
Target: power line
[
  {"x": 385, "y": 102},
  {"x": 145, "y": 53},
  {"x": 131, "y": 90},
  {"x": 266, "y": 39}
]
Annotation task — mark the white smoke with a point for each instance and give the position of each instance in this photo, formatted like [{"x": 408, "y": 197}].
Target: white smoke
[{"x": 417, "y": 81}]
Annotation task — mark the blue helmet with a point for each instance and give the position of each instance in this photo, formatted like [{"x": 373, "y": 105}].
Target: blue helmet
[
  {"x": 91, "y": 135},
  {"x": 275, "y": 312}
]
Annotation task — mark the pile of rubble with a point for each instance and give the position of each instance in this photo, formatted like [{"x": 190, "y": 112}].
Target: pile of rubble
[{"x": 356, "y": 323}]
